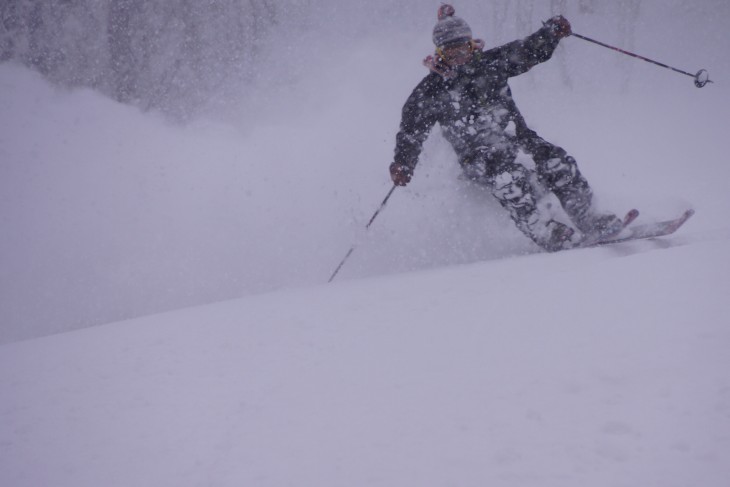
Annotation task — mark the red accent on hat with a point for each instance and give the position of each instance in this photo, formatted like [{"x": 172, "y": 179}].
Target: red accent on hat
[{"x": 445, "y": 10}]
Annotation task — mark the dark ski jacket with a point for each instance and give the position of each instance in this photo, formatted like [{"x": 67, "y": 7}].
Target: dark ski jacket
[{"x": 474, "y": 102}]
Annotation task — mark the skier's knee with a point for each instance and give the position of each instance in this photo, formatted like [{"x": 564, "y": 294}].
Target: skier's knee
[
  {"x": 558, "y": 171},
  {"x": 512, "y": 189}
]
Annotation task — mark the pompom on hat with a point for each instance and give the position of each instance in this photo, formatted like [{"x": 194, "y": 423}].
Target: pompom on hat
[{"x": 450, "y": 30}]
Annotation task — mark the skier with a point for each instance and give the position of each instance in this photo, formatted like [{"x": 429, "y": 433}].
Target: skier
[{"x": 467, "y": 93}]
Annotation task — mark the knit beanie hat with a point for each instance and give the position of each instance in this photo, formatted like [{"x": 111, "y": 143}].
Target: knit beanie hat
[{"x": 450, "y": 29}]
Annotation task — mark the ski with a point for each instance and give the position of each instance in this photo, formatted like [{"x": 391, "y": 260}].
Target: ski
[
  {"x": 628, "y": 219},
  {"x": 646, "y": 230}
]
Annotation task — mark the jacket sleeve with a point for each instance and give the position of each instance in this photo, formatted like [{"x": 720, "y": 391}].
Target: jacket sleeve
[
  {"x": 520, "y": 56},
  {"x": 420, "y": 114}
]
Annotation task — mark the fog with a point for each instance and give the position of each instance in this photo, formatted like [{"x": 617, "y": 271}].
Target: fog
[{"x": 231, "y": 148}]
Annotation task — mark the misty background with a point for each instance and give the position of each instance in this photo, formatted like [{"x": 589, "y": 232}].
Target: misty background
[
  {"x": 186, "y": 58},
  {"x": 164, "y": 154}
]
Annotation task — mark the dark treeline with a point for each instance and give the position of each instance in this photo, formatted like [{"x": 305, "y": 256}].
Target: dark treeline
[
  {"x": 175, "y": 55},
  {"x": 168, "y": 55}
]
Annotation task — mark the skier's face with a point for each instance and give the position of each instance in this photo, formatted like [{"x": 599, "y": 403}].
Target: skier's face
[{"x": 456, "y": 55}]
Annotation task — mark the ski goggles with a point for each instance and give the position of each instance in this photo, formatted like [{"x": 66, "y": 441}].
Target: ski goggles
[{"x": 456, "y": 53}]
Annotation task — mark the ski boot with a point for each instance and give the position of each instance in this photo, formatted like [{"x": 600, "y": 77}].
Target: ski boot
[
  {"x": 560, "y": 237},
  {"x": 597, "y": 227}
]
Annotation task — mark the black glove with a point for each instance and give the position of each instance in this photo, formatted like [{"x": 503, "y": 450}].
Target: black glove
[
  {"x": 400, "y": 174},
  {"x": 559, "y": 26}
]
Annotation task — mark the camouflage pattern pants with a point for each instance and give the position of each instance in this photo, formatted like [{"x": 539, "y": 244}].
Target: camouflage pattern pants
[{"x": 509, "y": 181}]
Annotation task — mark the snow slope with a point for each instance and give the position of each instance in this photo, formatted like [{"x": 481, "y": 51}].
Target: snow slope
[
  {"x": 109, "y": 214},
  {"x": 448, "y": 352},
  {"x": 602, "y": 367},
  {"x": 112, "y": 214}
]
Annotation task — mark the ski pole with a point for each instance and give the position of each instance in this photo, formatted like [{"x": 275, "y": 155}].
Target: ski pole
[
  {"x": 352, "y": 249},
  {"x": 702, "y": 77}
]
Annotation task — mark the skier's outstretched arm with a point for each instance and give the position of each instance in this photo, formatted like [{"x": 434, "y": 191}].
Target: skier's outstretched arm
[{"x": 520, "y": 56}]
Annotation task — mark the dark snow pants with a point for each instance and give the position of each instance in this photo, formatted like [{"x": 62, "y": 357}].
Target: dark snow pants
[
  {"x": 509, "y": 181},
  {"x": 558, "y": 173}
]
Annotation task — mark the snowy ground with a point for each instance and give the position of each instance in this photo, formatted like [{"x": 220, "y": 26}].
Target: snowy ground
[
  {"x": 602, "y": 367},
  {"x": 448, "y": 352},
  {"x": 110, "y": 214}
]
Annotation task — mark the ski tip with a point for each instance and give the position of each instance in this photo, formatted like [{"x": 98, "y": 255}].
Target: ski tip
[
  {"x": 630, "y": 217},
  {"x": 686, "y": 216}
]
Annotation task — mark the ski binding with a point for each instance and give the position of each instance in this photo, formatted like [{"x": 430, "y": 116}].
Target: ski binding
[{"x": 643, "y": 231}]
